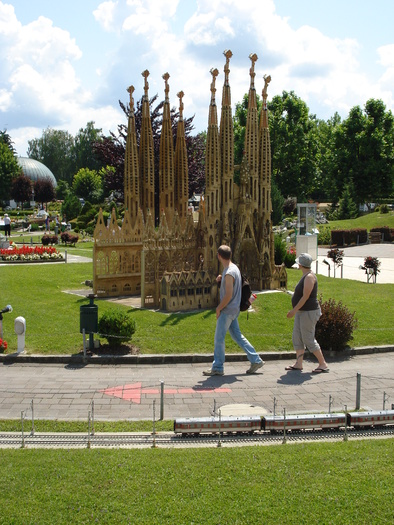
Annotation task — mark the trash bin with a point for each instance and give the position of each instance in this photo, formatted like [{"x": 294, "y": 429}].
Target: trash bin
[{"x": 88, "y": 318}]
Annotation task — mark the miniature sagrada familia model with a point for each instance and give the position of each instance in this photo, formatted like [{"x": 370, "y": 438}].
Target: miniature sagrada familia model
[{"x": 174, "y": 266}]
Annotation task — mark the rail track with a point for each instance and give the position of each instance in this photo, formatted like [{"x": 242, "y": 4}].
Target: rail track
[{"x": 169, "y": 440}]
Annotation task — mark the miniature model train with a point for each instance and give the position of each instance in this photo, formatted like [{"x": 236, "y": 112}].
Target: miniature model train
[{"x": 274, "y": 424}]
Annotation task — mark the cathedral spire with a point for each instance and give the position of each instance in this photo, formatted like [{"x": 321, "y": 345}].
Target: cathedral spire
[
  {"x": 226, "y": 141},
  {"x": 181, "y": 166},
  {"x": 166, "y": 160},
  {"x": 265, "y": 154},
  {"x": 252, "y": 136},
  {"x": 146, "y": 153},
  {"x": 131, "y": 168}
]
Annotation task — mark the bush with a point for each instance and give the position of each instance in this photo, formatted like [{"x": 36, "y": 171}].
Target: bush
[
  {"x": 49, "y": 239},
  {"x": 68, "y": 238},
  {"x": 385, "y": 231},
  {"x": 384, "y": 208},
  {"x": 290, "y": 256},
  {"x": 116, "y": 326},
  {"x": 336, "y": 256},
  {"x": 279, "y": 250},
  {"x": 335, "y": 326},
  {"x": 324, "y": 237},
  {"x": 347, "y": 237}
]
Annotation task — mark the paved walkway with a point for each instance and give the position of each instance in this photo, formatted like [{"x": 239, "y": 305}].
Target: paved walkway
[
  {"x": 124, "y": 392},
  {"x": 354, "y": 258}
]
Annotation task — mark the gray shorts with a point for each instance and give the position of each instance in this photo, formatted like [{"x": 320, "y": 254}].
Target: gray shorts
[{"x": 304, "y": 330}]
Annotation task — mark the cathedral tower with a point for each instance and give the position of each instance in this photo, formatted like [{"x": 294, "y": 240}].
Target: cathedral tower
[
  {"x": 131, "y": 169},
  {"x": 146, "y": 155},
  {"x": 166, "y": 160}
]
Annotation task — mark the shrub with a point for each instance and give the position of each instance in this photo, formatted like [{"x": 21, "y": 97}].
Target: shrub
[
  {"x": 335, "y": 326},
  {"x": 347, "y": 237},
  {"x": 49, "y": 239},
  {"x": 384, "y": 208},
  {"x": 385, "y": 231},
  {"x": 324, "y": 237},
  {"x": 279, "y": 250},
  {"x": 290, "y": 256},
  {"x": 336, "y": 256},
  {"x": 116, "y": 326},
  {"x": 373, "y": 263}
]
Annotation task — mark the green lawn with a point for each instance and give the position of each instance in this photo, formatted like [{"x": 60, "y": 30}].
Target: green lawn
[
  {"x": 322, "y": 483},
  {"x": 37, "y": 292},
  {"x": 371, "y": 220}
]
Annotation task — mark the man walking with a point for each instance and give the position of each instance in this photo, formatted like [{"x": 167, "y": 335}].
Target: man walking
[{"x": 227, "y": 313}]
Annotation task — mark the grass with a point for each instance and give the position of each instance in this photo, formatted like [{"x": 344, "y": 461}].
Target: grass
[
  {"x": 47, "y": 425},
  {"x": 36, "y": 292},
  {"x": 320, "y": 483},
  {"x": 371, "y": 220}
]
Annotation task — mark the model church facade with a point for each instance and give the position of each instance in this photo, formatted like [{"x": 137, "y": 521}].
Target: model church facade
[{"x": 174, "y": 266}]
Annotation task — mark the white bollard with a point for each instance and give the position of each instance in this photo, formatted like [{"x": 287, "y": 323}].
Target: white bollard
[{"x": 20, "y": 330}]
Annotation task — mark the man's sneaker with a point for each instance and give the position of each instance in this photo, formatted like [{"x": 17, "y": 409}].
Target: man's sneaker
[
  {"x": 211, "y": 372},
  {"x": 254, "y": 367}
]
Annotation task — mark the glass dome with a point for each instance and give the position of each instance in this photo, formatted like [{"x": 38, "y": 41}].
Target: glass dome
[{"x": 36, "y": 170}]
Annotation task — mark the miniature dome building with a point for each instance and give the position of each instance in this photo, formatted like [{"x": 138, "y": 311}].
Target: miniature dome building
[{"x": 36, "y": 170}]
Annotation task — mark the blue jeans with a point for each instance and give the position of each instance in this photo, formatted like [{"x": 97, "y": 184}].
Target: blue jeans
[{"x": 227, "y": 323}]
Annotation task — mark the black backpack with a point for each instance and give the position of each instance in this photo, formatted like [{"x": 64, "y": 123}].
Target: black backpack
[{"x": 246, "y": 292}]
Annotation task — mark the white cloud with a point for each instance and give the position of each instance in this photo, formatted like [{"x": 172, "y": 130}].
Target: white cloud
[
  {"x": 40, "y": 87},
  {"x": 105, "y": 14}
]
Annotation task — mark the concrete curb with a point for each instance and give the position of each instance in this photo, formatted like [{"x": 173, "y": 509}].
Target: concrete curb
[{"x": 166, "y": 359}]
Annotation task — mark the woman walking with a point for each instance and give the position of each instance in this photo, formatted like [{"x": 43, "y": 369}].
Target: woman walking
[{"x": 306, "y": 312}]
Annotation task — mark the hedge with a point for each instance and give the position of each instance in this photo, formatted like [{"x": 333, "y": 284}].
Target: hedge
[{"x": 347, "y": 237}]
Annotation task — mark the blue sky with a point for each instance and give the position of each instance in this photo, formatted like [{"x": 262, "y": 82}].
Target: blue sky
[{"x": 63, "y": 64}]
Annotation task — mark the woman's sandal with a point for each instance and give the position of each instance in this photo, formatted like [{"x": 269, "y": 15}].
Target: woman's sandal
[
  {"x": 293, "y": 368},
  {"x": 320, "y": 370}
]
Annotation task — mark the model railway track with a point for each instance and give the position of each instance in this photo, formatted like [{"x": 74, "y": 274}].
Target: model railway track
[{"x": 149, "y": 440}]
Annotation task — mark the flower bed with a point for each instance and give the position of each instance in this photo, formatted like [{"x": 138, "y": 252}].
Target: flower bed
[{"x": 30, "y": 254}]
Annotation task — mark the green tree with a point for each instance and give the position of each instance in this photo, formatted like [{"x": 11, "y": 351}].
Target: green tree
[
  {"x": 347, "y": 207},
  {"x": 56, "y": 150},
  {"x": 21, "y": 189},
  {"x": 71, "y": 207},
  {"x": 277, "y": 201},
  {"x": 88, "y": 185},
  {"x": 9, "y": 168},
  {"x": 83, "y": 149},
  {"x": 325, "y": 187},
  {"x": 294, "y": 146},
  {"x": 364, "y": 145},
  {"x": 62, "y": 189}
]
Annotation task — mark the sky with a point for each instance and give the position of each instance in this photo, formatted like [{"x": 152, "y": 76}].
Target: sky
[{"x": 64, "y": 64}]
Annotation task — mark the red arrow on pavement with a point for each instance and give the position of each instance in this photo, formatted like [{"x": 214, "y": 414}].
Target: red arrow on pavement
[{"x": 133, "y": 392}]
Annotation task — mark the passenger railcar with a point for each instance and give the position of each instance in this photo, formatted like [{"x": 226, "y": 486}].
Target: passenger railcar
[
  {"x": 303, "y": 422},
  {"x": 212, "y": 425},
  {"x": 373, "y": 418},
  {"x": 272, "y": 424}
]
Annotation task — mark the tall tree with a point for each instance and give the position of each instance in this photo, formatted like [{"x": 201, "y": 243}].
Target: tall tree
[
  {"x": 56, "y": 150},
  {"x": 294, "y": 146},
  {"x": 9, "y": 168},
  {"x": 44, "y": 191},
  {"x": 88, "y": 185},
  {"x": 21, "y": 189},
  {"x": 83, "y": 150},
  {"x": 325, "y": 188},
  {"x": 365, "y": 152}
]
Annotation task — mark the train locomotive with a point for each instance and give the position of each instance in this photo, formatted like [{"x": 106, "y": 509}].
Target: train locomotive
[{"x": 273, "y": 423}]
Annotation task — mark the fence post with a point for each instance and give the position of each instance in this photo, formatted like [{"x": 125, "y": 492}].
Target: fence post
[{"x": 358, "y": 392}]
